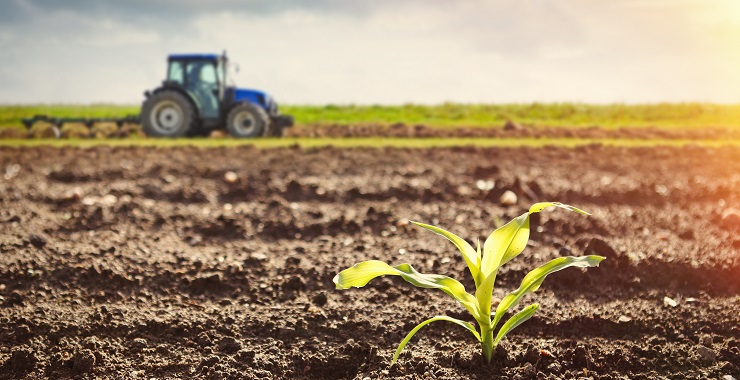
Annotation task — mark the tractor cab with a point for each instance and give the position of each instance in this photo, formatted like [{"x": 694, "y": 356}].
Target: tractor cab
[
  {"x": 195, "y": 99},
  {"x": 202, "y": 76}
]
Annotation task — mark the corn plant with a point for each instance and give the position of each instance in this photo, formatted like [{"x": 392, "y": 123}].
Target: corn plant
[{"x": 505, "y": 243}]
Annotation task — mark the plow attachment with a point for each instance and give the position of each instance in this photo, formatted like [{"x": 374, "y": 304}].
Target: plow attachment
[{"x": 57, "y": 123}]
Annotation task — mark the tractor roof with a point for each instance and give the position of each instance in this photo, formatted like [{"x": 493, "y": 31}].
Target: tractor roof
[{"x": 205, "y": 57}]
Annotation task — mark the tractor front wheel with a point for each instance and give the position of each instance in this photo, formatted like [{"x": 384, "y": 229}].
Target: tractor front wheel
[
  {"x": 167, "y": 114},
  {"x": 247, "y": 120}
]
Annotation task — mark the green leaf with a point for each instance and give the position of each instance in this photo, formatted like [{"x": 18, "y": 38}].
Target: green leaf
[
  {"x": 360, "y": 274},
  {"x": 507, "y": 240},
  {"x": 471, "y": 256},
  {"x": 534, "y": 279},
  {"x": 405, "y": 341},
  {"x": 505, "y": 243},
  {"x": 515, "y": 321}
]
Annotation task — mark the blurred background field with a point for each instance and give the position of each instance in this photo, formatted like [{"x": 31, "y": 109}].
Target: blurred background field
[{"x": 663, "y": 115}]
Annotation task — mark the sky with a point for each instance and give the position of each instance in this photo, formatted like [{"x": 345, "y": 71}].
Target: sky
[{"x": 379, "y": 51}]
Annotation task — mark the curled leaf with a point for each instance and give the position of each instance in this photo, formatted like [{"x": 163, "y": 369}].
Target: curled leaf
[
  {"x": 534, "y": 279},
  {"x": 537, "y": 207},
  {"x": 360, "y": 274}
]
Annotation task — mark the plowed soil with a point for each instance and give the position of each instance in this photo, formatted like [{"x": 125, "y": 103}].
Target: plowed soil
[
  {"x": 402, "y": 130},
  {"x": 145, "y": 263},
  {"x": 511, "y": 130}
]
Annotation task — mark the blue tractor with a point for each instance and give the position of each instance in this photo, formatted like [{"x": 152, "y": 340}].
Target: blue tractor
[{"x": 195, "y": 100}]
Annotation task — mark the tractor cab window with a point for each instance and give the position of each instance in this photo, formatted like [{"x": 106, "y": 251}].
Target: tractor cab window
[
  {"x": 208, "y": 74},
  {"x": 203, "y": 83},
  {"x": 175, "y": 72},
  {"x": 201, "y": 74}
]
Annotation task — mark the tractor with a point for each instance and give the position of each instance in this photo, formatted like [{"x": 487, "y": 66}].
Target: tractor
[{"x": 195, "y": 100}]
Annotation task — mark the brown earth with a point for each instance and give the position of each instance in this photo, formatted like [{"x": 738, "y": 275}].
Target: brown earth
[
  {"x": 145, "y": 263},
  {"x": 401, "y": 130},
  {"x": 511, "y": 130}
]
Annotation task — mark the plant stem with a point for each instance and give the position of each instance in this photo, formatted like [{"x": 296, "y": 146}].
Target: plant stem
[{"x": 486, "y": 334}]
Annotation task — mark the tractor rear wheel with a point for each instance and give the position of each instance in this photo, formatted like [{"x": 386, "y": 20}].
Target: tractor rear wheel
[
  {"x": 247, "y": 120},
  {"x": 167, "y": 114}
]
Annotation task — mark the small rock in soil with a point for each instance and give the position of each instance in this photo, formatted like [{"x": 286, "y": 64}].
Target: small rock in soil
[
  {"x": 668, "y": 301},
  {"x": 108, "y": 199},
  {"x": 83, "y": 361},
  {"x": 230, "y": 177},
  {"x": 485, "y": 185},
  {"x": 624, "y": 319},
  {"x": 508, "y": 198},
  {"x": 258, "y": 256},
  {"x": 11, "y": 171},
  {"x": 38, "y": 241},
  {"x": 706, "y": 354},
  {"x": 320, "y": 299}
]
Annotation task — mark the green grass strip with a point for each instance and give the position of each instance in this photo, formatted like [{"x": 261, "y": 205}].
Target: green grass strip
[
  {"x": 609, "y": 116},
  {"x": 367, "y": 142}
]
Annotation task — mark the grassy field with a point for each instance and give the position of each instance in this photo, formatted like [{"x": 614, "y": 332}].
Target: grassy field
[
  {"x": 688, "y": 115},
  {"x": 683, "y": 115}
]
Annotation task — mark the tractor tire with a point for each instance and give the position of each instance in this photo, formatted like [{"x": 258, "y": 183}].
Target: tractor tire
[
  {"x": 167, "y": 114},
  {"x": 247, "y": 120}
]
